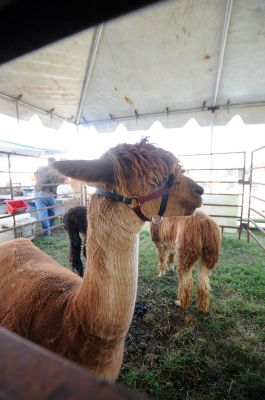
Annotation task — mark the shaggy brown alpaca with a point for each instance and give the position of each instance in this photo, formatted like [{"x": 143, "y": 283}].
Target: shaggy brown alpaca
[
  {"x": 87, "y": 319},
  {"x": 194, "y": 240},
  {"x": 75, "y": 223}
]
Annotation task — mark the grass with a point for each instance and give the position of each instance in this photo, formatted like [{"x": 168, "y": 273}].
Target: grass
[{"x": 176, "y": 354}]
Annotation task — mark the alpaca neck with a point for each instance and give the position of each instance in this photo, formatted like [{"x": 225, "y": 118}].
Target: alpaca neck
[{"x": 107, "y": 296}]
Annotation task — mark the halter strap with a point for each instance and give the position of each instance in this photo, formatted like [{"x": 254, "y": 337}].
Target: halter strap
[
  {"x": 142, "y": 199},
  {"x": 114, "y": 196}
]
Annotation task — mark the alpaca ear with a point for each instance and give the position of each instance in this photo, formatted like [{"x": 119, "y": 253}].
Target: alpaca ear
[{"x": 87, "y": 170}]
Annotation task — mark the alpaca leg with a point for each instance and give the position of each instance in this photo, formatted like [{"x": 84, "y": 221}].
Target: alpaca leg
[
  {"x": 75, "y": 252},
  {"x": 203, "y": 291},
  {"x": 185, "y": 284},
  {"x": 84, "y": 245},
  {"x": 70, "y": 256},
  {"x": 84, "y": 249},
  {"x": 171, "y": 260},
  {"x": 162, "y": 260}
]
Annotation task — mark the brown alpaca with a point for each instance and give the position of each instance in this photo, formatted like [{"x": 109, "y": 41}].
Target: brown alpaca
[
  {"x": 193, "y": 240},
  {"x": 87, "y": 319}
]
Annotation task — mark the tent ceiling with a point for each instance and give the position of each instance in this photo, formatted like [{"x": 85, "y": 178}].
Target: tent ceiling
[{"x": 169, "y": 62}]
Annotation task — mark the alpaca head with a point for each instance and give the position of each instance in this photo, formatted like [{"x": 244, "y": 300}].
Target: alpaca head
[{"x": 138, "y": 170}]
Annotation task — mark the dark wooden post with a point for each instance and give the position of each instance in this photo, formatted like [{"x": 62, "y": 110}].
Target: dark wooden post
[{"x": 28, "y": 371}]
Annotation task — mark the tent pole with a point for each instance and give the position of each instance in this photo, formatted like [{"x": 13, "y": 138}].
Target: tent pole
[
  {"x": 89, "y": 70},
  {"x": 228, "y": 11}
]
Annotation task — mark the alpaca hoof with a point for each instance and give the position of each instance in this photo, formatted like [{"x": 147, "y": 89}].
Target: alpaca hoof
[
  {"x": 202, "y": 305},
  {"x": 161, "y": 274},
  {"x": 140, "y": 309},
  {"x": 203, "y": 309},
  {"x": 171, "y": 268},
  {"x": 177, "y": 302}
]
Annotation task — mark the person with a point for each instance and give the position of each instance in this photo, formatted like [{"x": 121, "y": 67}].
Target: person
[{"x": 46, "y": 182}]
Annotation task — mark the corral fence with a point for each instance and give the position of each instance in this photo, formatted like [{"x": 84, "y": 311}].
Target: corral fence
[
  {"x": 18, "y": 211},
  {"x": 223, "y": 177},
  {"x": 232, "y": 200},
  {"x": 256, "y": 209}
]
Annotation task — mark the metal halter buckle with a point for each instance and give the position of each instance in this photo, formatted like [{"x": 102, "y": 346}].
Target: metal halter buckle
[{"x": 156, "y": 220}]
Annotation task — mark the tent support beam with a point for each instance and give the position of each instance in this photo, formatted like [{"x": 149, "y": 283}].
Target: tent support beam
[
  {"x": 228, "y": 11},
  {"x": 168, "y": 112},
  {"x": 89, "y": 70},
  {"x": 18, "y": 100}
]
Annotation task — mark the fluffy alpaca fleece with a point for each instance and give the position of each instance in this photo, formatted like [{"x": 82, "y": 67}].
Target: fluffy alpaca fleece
[
  {"x": 87, "y": 319},
  {"x": 75, "y": 223},
  {"x": 193, "y": 240}
]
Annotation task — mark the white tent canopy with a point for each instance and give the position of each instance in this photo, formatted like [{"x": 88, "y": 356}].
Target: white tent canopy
[{"x": 170, "y": 62}]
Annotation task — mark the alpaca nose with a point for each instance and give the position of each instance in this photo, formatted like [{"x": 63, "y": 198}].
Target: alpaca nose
[{"x": 198, "y": 190}]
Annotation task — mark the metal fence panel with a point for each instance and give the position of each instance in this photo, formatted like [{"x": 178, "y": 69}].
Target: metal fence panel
[{"x": 256, "y": 207}]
